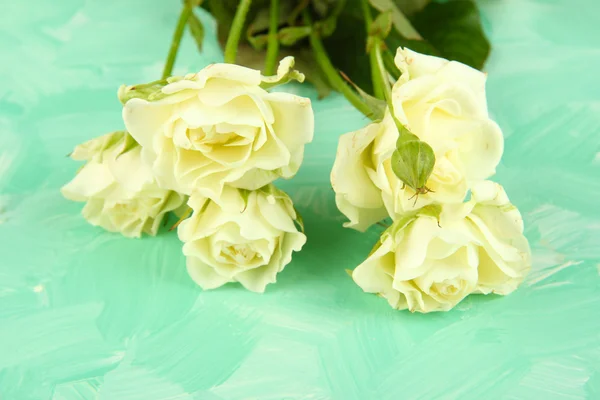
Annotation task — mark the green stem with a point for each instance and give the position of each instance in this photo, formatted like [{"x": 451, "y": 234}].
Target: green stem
[
  {"x": 236, "y": 31},
  {"x": 388, "y": 59},
  {"x": 375, "y": 76},
  {"x": 186, "y": 11},
  {"x": 330, "y": 72},
  {"x": 382, "y": 71},
  {"x": 273, "y": 45},
  {"x": 387, "y": 88}
]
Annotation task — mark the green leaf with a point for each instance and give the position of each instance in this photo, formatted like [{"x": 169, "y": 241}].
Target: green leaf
[
  {"x": 411, "y": 7},
  {"x": 295, "y": 13},
  {"x": 196, "y": 29},
  {"x": 376, "y": 105},
  {"x": 290, "y": 35},
  {"x": 299, "y": 220},
  {"x": 260, "y": 23},
  {"x": 451, "y": 30},
  {"x": 382, "y": 25},
  {"x": 401, "y": 23},
  {"x": 327, "y": 26},
  {"x": 351, "y": 59},
  {"x": 454, "y": 29},
  {"x": 413, "y": 162},
  {"x": 258, "y": 42}
]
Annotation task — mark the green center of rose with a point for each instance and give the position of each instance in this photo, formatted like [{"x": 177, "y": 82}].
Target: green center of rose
[
  {"x": 208, "y": 139},
  {"x": 239, "y": 253},
  {"x": 447, "y": 288},
  {"x": 128, "y": 207}
]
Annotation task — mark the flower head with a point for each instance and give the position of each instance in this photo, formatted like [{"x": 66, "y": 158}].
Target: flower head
[
  {"x": 443, "y": 104},
  {"x": 242, "y": 236},
  {"x": 218, "y": 127},
  {"x": 120, "y": 192},
  {"x": 426, "y": 262}
]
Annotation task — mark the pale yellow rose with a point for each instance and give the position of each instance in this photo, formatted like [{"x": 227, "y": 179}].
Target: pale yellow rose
[
  {"x": 242, "y": 236},
  {"x": 120, "y": 192},
  {"x": 444, "y": 104},
  {"x": 219, "y": 126},
  {"x": 477, "y": 247}
]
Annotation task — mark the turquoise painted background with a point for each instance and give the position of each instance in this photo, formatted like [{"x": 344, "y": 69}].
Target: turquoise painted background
[{"x": 86, "y": 314}]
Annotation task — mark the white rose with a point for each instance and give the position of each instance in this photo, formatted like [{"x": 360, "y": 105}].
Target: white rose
[
  {"x": 504, "y": 256},
  {"x": 367, "y": 190},
  {"x": 444, "y": 104},
  {"x": 478, "y": 247},
  {"x": 354, "y": 174},
  {"x": 120, "y": 192},
  {"x": 242, "y": 236},
  {"x": 219, "y": 127}
]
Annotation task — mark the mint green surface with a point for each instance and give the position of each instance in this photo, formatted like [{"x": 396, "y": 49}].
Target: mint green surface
[{"x": 86, "y": 314}]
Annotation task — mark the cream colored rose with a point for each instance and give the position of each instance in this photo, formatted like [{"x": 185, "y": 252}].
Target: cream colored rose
[
  {"x": 354, "y": 176},
  {"x": 120, "y": 192},
  {"x": 444, "y": 104},
  {"x": 241, "y": 236},
  {"x": 478, "y": 247},
  {"x": 219, "y": 127},
  {"x": 367, "y": 190},
  {"x": 504, "y": 255}
]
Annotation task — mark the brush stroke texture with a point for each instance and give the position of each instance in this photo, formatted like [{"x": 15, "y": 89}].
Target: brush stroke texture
[{"x": 86, "y": 314}]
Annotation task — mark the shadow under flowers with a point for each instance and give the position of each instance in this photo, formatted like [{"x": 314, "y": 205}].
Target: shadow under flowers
[{"x": 330, "y": 249}]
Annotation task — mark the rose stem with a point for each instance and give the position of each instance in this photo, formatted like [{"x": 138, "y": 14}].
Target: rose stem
[
  {"x": 381, "y": 71},
  {"x": 375, "y": 76},
  {"x": 273, "y": 45},
  {"x": 186, "y": 11},
  {"x": 236, "y": 31},
  {"x": 330, "y": 72}
]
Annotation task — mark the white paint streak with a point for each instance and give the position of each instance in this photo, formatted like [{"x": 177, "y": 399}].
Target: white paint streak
[
  {"x": 65, "y": 33},
  {"x": 546, "y": 273}
]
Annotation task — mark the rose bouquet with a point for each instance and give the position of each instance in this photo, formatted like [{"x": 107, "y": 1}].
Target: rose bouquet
[{"x": 208, "y": 147}]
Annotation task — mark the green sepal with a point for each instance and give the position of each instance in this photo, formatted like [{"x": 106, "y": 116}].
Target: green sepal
[
  {"x": 299, "y": 220},
  {"x": 382, "y": 25},
  {"x": 285, "y": 73},
  {"x": 197, "y": 30},
  {"x": 291, "y": 35},
  {"x": 183, "y": 217},
  {"x": 245, "y": 193},
  {"x": 258, "y": 42},
  {"x": 128, "y": 144},
  {"x": 151, "y": 91},
  {"x": 377, "y": 106},
  {"x": 95, "y": 148}
]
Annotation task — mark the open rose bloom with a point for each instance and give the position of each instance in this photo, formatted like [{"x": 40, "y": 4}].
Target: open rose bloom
[
  {"x": 425, "y": 265},
  {"x": 444, "y": 104},
  {"x": 242, "y": 236},
  {"x": 120, "y": 192},
  {"x": 219, "y": 137},
  {"x": 220, "y": 127},
  {"x": 430, "y": 263}
]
